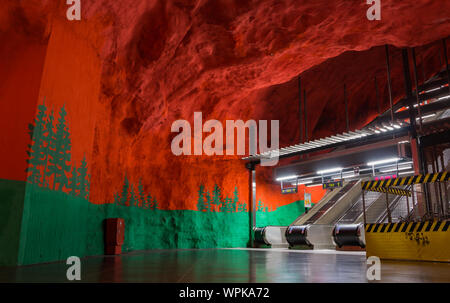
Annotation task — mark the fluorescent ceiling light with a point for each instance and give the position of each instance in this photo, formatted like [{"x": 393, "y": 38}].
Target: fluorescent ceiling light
[
  {"x": 286, "y": 178},
  {"x": 314, "y": 185},
  {"x": 345, "y": 176},
  {"x": 395, "y": 169},
  {"x": 407, "y": 173},
  {"x": 331, "y": 170},
  {"x": 383, "y": 161},
  {"x": 427, "y": 116},
  {"x": 303, "y": 182},
  {"x": 432, "y": 90}
]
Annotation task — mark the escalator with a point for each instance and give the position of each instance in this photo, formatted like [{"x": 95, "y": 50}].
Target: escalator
[{"x": 314, "y": 230}]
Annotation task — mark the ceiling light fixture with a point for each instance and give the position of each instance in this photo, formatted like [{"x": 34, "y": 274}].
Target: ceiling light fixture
[
  {"x": 331, "y": 170},
  {"x": 382, "y": 161}
]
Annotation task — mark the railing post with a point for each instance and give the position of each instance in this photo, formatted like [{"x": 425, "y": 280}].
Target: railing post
[
  {"x": 387, "y": 207},
  {"x": 364, "y": 208}
]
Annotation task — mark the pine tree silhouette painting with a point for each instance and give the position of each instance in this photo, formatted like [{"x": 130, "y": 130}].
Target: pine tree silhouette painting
[
  {"x": 124, "y": 196},
  {"x": 208, "y": 202},
  {"x": 148, "y": 202},
  {"x": 141, "y": 194},
  {"x": 36, "y": 152},
  {"x": 49, "y": 155},
  {"x": 133, "y": 199},
  {"x": 260, "y": 206},
  {"x": 228, "y": 205},
  {"x": 217, "y": 198},
  {"x": 83, "y": 179},
  {"x": 201, "y": 199},
  {"x": 48, "y": 148},
  {"x": 61, "y": 155},
  {"x": 242, "y": 207},
  {"x": 74, "y": 183},
  {"x": 154, "y": 204},
  {"x": 116, "y": 199},
  {"x": 235, "y": 198}
]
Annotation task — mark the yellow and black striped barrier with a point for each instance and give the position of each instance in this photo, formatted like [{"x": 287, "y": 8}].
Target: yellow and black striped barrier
[
  {"x": 428, "y": 178},
  {"x": 392, "y": 190},
  {"x": 420, "y": 241}
]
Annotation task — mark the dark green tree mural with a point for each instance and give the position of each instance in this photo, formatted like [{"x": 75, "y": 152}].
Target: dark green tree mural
[
  {"x": 141, "y": 194},
  {"x": 148, "y": 202},
  {"x": 125, "y": 188},
  {"x": 74, "y": 184},
  {"x": 235, "y": 198},
  {"x": 217, "y": 198},
  {"x": 208, "y": 202},
  {"x": 242, "y": 207},
  {"x": 35, "y": 151},
  {"x": 260, "y": 206},
  {"x": 84, "y": 182},
  {"x": 49, "y": 155},
  {"x": 201, "y": 198},
  {"x": 116, "y": 199},
  {"x": 228, "y": 206},
  {"x": 48, "y": 148},
  {"x": 154, "y": 204},
  {"x": 61, "y": 154},
  {"x": 133, "y": 198}
]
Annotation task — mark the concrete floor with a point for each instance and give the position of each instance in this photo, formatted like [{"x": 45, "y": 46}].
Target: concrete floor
[{"x": 230, "y": 265}]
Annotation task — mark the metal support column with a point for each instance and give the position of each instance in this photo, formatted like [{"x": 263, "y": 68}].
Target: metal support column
[
  {"x": 444, "y": 44},
  {"x": 408, "y": 92},
  {"x": 377, "y": 96},
  {"x": 300, "y": 108},
  {"x": 416, "y": 80},
  {"x": 388, "y": 68},
  {"x": 346, "y": 109},
  {"x": 447, "y": 201},
  {"x": 305, "y": 115},
  {"x": 252, "y": 201}
]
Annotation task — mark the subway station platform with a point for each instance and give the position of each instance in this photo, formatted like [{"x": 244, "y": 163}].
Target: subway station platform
[{"x": 231, "y": 265}]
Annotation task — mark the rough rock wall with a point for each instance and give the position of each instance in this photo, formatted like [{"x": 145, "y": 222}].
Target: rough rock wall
[{"x": 129, "y": 69}]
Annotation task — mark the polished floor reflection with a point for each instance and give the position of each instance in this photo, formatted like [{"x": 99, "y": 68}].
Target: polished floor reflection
[{"x": 231, "y": 265}]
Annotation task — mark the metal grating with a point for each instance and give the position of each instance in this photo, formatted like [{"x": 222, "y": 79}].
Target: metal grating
[{"x": 331, "y": 141}]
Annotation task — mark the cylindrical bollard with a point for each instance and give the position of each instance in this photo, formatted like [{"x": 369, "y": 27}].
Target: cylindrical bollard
[
  {"x": 349, "y": 235},
  {"x": 297, "y": 235}
]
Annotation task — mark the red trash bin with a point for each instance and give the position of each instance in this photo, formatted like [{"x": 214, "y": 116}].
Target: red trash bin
[{"x": 114, "y": 235}]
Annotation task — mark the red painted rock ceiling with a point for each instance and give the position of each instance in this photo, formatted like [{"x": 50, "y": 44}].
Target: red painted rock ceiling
[{"x": 128, "y": 69}]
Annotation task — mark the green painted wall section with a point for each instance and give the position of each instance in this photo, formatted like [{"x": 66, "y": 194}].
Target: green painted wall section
[
  {"x": 11, "y": 206},
  {"x": 283, "y": 216},
  {"x": 57, "y": 225}
]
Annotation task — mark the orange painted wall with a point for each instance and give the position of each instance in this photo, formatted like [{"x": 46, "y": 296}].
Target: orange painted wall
[
  {"x": 21, "y": 65},
  {"x": 71, "y": 77}
]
